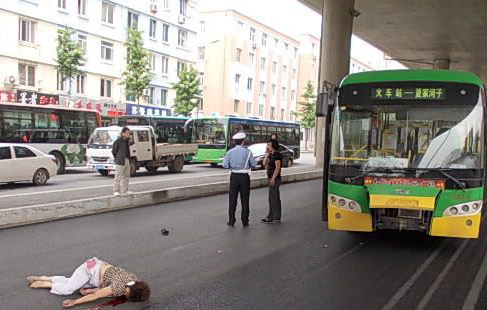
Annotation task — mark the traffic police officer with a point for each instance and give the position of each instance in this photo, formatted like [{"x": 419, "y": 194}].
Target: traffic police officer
[{"x": 240, "y": 161}]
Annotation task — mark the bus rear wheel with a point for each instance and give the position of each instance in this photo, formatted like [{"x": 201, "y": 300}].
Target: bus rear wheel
[
  {"x": 61, "y": 162},
  {"x": 176, "y": 165}
]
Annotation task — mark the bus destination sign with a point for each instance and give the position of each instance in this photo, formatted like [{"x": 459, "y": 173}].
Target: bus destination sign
[{"x": 410, "y": 93}]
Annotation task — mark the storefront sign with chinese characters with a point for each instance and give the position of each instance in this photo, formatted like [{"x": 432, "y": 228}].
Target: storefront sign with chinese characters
[
  {"x": 8, "y": 96},
  {"x": 29, "y": 97},
  {"x": 134, "y": 109},
  {"x": 105, "y": 108}
]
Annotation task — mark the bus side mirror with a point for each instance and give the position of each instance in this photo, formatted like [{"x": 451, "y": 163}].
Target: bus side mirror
[{"x": 325, "y": 99}]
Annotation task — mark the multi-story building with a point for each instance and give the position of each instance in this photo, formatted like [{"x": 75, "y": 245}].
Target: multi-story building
[
  {"x": 247, "y": 68},
  {"x": 28, "y": 50}
]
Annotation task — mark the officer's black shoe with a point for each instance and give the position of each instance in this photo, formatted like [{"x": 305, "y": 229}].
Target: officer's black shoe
[
  {"x": 267, "y": 221},
  {"x": 245, "y": 224},
  {"x": 231, "y": 224}
]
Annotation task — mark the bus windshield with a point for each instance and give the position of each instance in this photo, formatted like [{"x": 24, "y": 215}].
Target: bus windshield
[
  {"x": 210, "y": 132},
  {"x": 404, "y": 136}
]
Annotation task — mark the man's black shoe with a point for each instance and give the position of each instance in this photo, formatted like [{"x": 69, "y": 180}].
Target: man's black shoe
[
  {"x": 267, "y": 221},
  {"x": 245, "y": 224},
  {"x": 231, "y": 224}
]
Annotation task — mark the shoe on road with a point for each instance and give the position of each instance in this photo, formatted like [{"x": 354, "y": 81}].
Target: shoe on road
[
  {"x": 267, "y": 221},
  {"x": 116, "y": 194}
]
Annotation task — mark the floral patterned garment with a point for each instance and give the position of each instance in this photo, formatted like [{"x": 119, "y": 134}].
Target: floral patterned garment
[{"x": 117, "y": 279}]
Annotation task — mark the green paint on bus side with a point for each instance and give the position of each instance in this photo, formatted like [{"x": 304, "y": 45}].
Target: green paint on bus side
[
  {"x": 210, "y": 156},
  {"x": 448, "y": 76},
  {"x": 356, "y": 193},
  {"x": 451, "y": 197},
  {"x": 402, "y": 190}
]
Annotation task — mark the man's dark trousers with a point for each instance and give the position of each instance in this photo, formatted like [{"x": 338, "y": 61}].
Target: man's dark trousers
[{"x": 239, "y": 183}]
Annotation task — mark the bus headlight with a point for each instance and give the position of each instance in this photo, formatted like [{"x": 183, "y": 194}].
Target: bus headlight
[
  {"x": 344, "y": 203},
  {"x": 466, "y": 208}
]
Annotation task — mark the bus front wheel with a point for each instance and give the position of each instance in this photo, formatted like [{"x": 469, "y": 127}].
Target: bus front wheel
[
  {"x": 61, "y": 162},
  {"x": 214, "y": 165},
  {"x": 104, "y": 172}
]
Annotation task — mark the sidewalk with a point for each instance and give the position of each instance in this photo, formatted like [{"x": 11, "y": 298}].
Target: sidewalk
[{"x": 167, "y": 192}]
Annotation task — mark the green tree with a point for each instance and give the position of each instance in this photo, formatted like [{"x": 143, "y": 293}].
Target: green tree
[
  {"x": 69, "y": 57},
  {"x": 306, "y": 114},
  {"x": 187, "y": 92},
  {"x": 136, "y": 77}
]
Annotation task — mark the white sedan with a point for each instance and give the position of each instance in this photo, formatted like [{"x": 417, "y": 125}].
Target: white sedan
[{"x": 19, "y": 162}]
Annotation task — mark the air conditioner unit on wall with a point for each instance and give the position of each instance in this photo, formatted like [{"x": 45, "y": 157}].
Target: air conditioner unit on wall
[
  {"x": 182, "y": 19},
  {"x": 153, "y": 8}
]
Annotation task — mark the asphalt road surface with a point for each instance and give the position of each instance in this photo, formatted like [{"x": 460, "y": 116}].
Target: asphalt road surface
[
  {"x": 203, "y": 264},
  {"x": 82, "y": 183}
]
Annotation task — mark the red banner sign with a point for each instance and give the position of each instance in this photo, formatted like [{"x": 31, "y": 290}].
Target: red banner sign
[
  {"x": 405, "y": 181},
  {"x": 8, "y": 96}
]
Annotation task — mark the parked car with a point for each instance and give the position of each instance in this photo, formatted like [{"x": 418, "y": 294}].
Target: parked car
[
  {"x": 19, "y": 162},
  {"x": 259, "y": 150}
]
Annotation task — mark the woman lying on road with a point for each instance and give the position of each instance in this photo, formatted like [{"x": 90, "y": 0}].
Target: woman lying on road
[{"x": 96, "y": 279}]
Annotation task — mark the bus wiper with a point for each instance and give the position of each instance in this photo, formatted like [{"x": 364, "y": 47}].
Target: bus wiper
[
  {"x": 350, "y": 180},
  {"x": 460, "y": 184}
]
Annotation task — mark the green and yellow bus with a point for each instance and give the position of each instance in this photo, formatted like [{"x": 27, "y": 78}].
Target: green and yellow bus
[
  {"x": 214, "y": 135},
  {"x": 407, "y": 152}
]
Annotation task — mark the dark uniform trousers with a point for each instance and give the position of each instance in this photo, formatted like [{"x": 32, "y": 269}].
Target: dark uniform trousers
[{"x": 239, "y": 183}]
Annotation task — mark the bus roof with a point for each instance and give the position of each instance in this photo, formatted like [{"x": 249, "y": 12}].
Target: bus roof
[
  {"x": 422, "y": 75},
  {"x": 250, "y": 120},
  {"x": 47, "y": 106},
  {"x": 154, "y": 116}
]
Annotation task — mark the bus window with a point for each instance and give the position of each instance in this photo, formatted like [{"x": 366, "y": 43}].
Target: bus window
[{"x": 40, "y": 120}]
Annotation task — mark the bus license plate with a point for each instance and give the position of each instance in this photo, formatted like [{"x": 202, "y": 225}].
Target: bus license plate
[{"x": 401, "y": 203}]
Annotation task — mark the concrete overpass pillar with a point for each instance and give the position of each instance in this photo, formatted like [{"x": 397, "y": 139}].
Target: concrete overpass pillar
[
  {"x": 336, "y": 36},
  {"x": 441, "y": 64}
]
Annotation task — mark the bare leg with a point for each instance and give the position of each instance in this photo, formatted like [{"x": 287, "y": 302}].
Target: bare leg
[
  {"x": 41, "y": 284},
  {"x": 38, "y": 278}
]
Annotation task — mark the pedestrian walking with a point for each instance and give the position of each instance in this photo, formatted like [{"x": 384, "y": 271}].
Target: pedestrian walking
[
  {"x": 95, "y": 279},
  {"x": 240, "y": 161},
  {"x": 121, "y": 155},
  {"x": 273, "y": 164}
]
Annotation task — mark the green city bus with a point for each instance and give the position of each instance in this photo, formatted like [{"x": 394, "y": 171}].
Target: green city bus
[
  {"x": 214, "y": 135},
  {"x": 406, "y": 153}
]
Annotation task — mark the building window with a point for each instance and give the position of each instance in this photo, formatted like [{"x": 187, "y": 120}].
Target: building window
[
  {"x": 201, "y": 78},
  {"x": 237, "y": 80},
  {"x": 105, "y": 88},
  {"x": 283, "y": 94},
  {"x": 106, "y": 51},
  {"x": 163, "y": 97},
  {"x": 165, "y": 64},
  {"x": 61, "y": 84},
  {"x": 251, "y": 58},
  {"x": 286, "y": 46},
  {"x": 252, "y": 34},
  {"x": 262, "y": 64},
  {"x": 165, "y": 33},
  {"x": 291, "y": 116},
  {"x": 261, "y": 110},
  {"x": 284, "y": 69},
  {"x": 181, "y": 66},
  {"x": 276, "y": 42},
  {"x": 152, "y": 28},
  {"x": 273, "y": 90},
  {"x": 273, "y": 113},
  {"x": 26, "y": 30},
  {"x": 165, "y": 4},
  {"x": 262, "y": 87},
  {"x": 182, "y": 38},
  {"x": 249, "y": 83},
  {"x": 130, "y": 98},
  {"x": 248, "y": 109},
  {"x": 293, "y": 94},
  {"x": 27, "y": 75},
  {"x": 202, "y": 27},
  {"x": 82, "y": 40},
  {"x": 235, "y": 105},
  {"x": 294, "y": 74},
  {"x": 132, "y": 20},
  {"x": 80, "y": 84},
  {"x": 150, "y": 97},
  {"x": 201, "y": 53},
  {"x": 264, "y": 39},
  {"x": 183, "y": 7},
  {"x": 82, "y": 7},
  {"x": 152, "y": 62},
  {"x": 274, "y": 67},
  {"x": 295, "y": 52},
  {"x": 283, "y": 113},
  {"x": 61, "y": 4},
  {"x": 238, "y": 55},
  {"x": 107, "y": 12},
  {"x": 240, "y": 26}
]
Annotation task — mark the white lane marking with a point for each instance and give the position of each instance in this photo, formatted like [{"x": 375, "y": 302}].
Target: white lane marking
[
  {"x": 410, "y": 282},
  {"x": 477, "y": 284},
  {"x": 429, "y": 294},
  {"x": 108, "y": 185}
]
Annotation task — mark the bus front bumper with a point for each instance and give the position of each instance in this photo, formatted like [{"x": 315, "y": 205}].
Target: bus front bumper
[{"x": 456, "y": 226}]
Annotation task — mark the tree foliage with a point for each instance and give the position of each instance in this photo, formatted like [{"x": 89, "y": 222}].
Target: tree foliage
[
  {"x": 70, "y": 56},
  {"x": 307, "y": 112},
  {"x": 137, "y": 76},
  {"x": 187, "y": 92}
]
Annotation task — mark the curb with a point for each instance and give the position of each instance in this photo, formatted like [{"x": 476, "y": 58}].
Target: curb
[{"x": 61, "y": 210}]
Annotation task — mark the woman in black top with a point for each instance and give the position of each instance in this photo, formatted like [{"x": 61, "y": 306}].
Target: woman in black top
[{"x": 273, "y": 163}]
